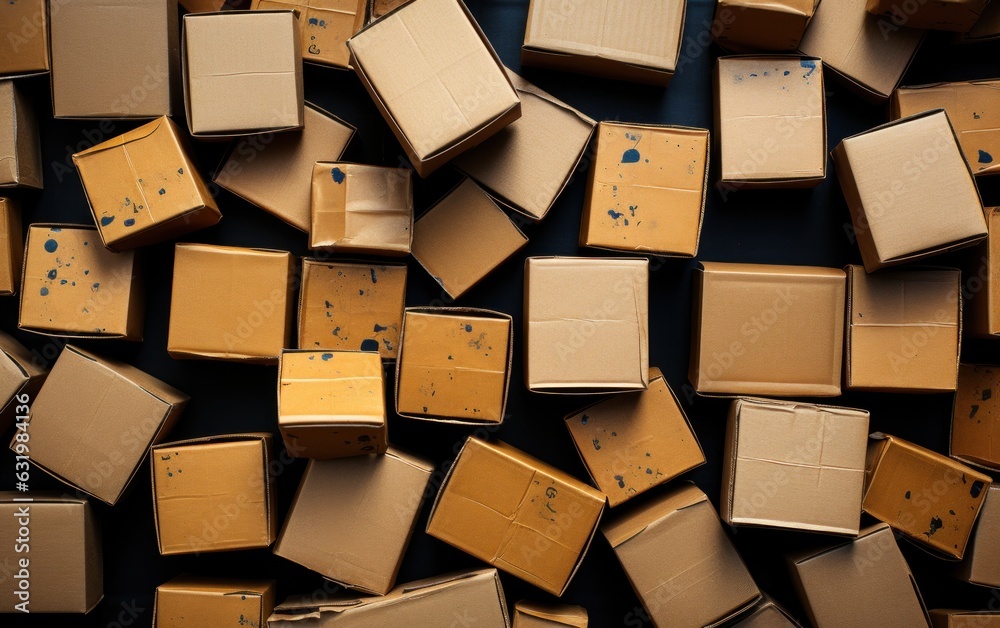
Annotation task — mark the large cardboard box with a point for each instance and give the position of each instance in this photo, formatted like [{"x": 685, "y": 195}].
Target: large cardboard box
[
  {"x": 956, "y": 15},
  {"x": 981, "y": 287},
  {"x": 767, "y": 614},
  {"x": 981, "y": 564},
  {"x": 943, "y": 618},
  {"x": 352, "y": 518},
  {"x": 24, "y": 39},
  {"x": 324, "y": 26},
  {"x": 762, "y": 329},
  {"x": 517, "y": 513},
  {"x": 11, "y": 246},
  {"x": 763, "y": 26},
  {"x": 21, "y": 375},
  {"x": 192, "y": 602},
  {"x": 536, "y": 615},
  {"x": 20, "y": 147},
  {"x": 975, "y": 419},
  {"x": 435, "y": 78}
]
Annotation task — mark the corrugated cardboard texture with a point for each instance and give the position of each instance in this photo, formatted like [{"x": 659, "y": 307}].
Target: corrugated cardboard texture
[
  {"x": 361, "y": 209},
  {"x": 351, "y": 306},
  {"x": 11, "y": 246},
  {"x": 193, "y": 602},
  {"x": 586, "y": 324},
  {"x": 517, "y": 513},
  {"x": 987, "y": 26},
  {"x": 646, "y": 189},
  {"x": 24, "y": 50},
  {"x": 982, "y": 555},
  {"x": 536, "y": 615},
  {"x": 964, "y": 619},
  {"x": 231, "y": 303},
  {"x": 463, "y": 238},
  {"x": 955, "y": 15},
  {"x": 142, "y": 187},
  {"x": 903, "y": 330},
  {"x": 930, "y": 498},
  {"x": 767, "y": 614},
  {"x": 372, "y": 503},
  {"x": 982, "y": 271},
  {"x": 324, "y": 27},
  {"x": 767, "y": 330},
  {"x": 766, "y": 26},
  {"x": 20, "y": 150},
  {"x": 21, "y": 372},
  {"x": 631, "y": 443},
  {"x": 72, "y": 286},
  {"x": 975, "y": 421}
]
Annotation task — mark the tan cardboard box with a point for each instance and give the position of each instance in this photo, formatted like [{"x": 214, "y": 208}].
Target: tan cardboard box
[
  {"x": 955, "y": 15},
  {"x": 435, "y": 78},
  {"x": 24, "y": 39},
  {"x": 763, "y": 26},
  {"x": 975, "y": 419},
  {"x": 537, "y": 615},
  {"x": 767, "y": 614},
  {"x": 986, "y": 28},
  {"x": 11, "y": 247},
  {"x": 941, "y": 618},
  {"x": 517, "y": 513},
  {"x": 370, "y": 504},
  {"x": 981, "y": 564},
  {"x": 982, "y": 275},
  {"x": 193, "y": 602},
  {"x": 21, "y": 375},
  {"x": 760, "y": 329},
  {"x": 20, "y": 148},
  {"x": 324, "y": 27}
]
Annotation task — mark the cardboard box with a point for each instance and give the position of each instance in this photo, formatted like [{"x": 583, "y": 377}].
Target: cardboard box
[
  {"x": 63, "y": 556},
  {"x": 346, "y": 307},
  {"x": 986, "y": 28},
  {"x": 530, "y": 161},
  {"x": 276, "y": 175},
  {"x": 191, "y": 602},
  {"x": 941, "y": 618},
  {"x": 931, "y": 499},
  {"x": 767, "y": 614},
  {"x": 517, "y": 513},
  {"x": 631, "y": 443},
  {"x": 454, "y": 365},
  {"x": 982, "y": 275},
  {"x": 536, "y": 615},
  {"x": 20, "y": 148},
  {"x": 361, "y": 209},
  {"x": 956, "y": 15},
  {"x": 24, "y": 39},
  {"x": 463, "y": 238},
  {"x": 794, "y": 465},
  {"x": 586, "y": 324},
  {"x": 770, "y": 121},
  {"x": 213, "y": 494},
  {"x": 142, "y": 187},
  {"x": 761, "y": 329},
  {"x": 435, "y": 78},
  {"x": 72, "y": 286},
  {"x": 250, "y": 55},
  {"x": 332, "y": 404},
  {"x": 125, "y": 67},
  {"x": 378, "y": 8},
  {"x": 762, "y": 26},
  {"x": 981, "y": 564},
  {"x": 640, "y": 42},
  {"x": 371, "y": 502},
  {"x": 11, "y": 246},
  {"x": 679, "y": 560},
  {"x": 231, "y": 303},
  {"x": 324, "y": 27},
  {"x": 21, "y": 375},
  {"x": 975, "y": 419},
  {"x": 904, "y": 331},
  {"x": 646, "y": 189}
]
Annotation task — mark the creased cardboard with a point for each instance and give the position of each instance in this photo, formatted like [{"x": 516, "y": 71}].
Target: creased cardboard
[
  {"x": 767, "y": 614},
  {"x": 378, "y": 8},
  {"x": 324, "y": 27},
  {"x": 975, "y": 419},
  {"x": 24, "y": 39},
  {"x": 11, "y": 247},
  {"x": 762, "y": 25},
  {"x": 192, "y": 601},
  {"x": 956, "y": 15},
  {"x": 987, "y": 27},
  {"x": 944, "y": 618},
  {"x": 981, "y": 564},
  {"x": 21, "y": 375},
  {"x": 537, "y": 615},
  {"x": 981, "y": 279},
  {"x": 20, "y": 148}
]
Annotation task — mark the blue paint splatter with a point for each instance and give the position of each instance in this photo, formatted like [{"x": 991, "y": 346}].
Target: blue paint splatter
[
  {"x": 374, "y": 278},
  {"x": 326, "y": 356},
  {"x": 128, "y": 201},
  {"x": 97, "y": 286},
  {"x": 369, "y": 344},
  {"x": 162, "y": 191},
  {"x": 129, "y": 222},
  {"x": 51, "y": 245},
  {"x": 52, "y": 274},
  {"x": 468, "y": 328},
  {"x": 85, "y": 243},
  {"x": 56, "y": 229},
  {"x": 615, "y": 215},
  {"x": 626, "y": 222},
  {"x": 810, "y": 65},
  {"x": 336, "y": 331},
  {"x": 984, "y": 157},
  {"x": 631, "y": 156},
  {"x": 787, "y": 72},
  {"x": 379, "y": 328},
  {"x": 632, "y": 208},
  {"x": 86, "y": 272},
  {"x": 107, "y": 220},
  {"x": 338, "y": 175},
  {"x": 44, "y": 291},
  {"x": 63, "y": 282},
  {"x": 180, "y": 171},
  {"x": 753, "y": 75}
]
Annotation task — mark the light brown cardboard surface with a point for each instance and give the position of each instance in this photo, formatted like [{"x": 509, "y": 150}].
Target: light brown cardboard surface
[
  {"x": 975, "y": 420},
  {"x": 765, "y": 26},
  {"x": 190, "y": 602},
  {"x": 24, "y": 51},
  {"x": 11, "y": 247},
  {"x": 20, "y": 149},
  {"x": 537, "y": 615},
  {"x": 981, "y": 564},
  {"x": 324, "y": 26}
]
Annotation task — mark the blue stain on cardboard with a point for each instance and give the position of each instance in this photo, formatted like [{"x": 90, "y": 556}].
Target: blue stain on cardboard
[
  {"x": 107, "y": 220},
  {"x": 317, "y": 22},
  {"x": 51, "y": 245},
  {"x": 984, "y": 157},
  {"x": 338, "y": 175},
  {"x": 810, "y": 65},
  {"x": 632, "y": 156},
  {"x": 369, "y": 344}
]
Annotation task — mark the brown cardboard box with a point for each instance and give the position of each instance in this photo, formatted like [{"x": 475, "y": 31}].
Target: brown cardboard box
[
  {"x": 862, "y": 582},
  {"x": 764, "y": 26},
  {"x": 242, "y": 72},
  {"x": 125, "y": 67},
  {"x": 530, "y": 162},
  {"x": 517, "y": 513},
  {"x": 679, "y": 560},
  {"x": 761, "y": 329},
  {"x": 370, "y": 504},
  {"x": 639, "y": 42},
  {"x": 462, "y": 353},
  {"x": 20, "y": 149},
  {"x": 331, "y": 403},
  {"x": 361, "y": 209},
  {"x": 192, "y": 602},
  {"x": 11, "y": 247},
  {"x": 536, "y": 615},
  {"x": 142, "y": 188},
  {"x": 767, "y": 614},
  {"x": 975, "y": 420},
  {"x": 435, "y": 78},
  {"x": 348, "y": 307},
  {"x": 631, "y": 443},
  {"x": 931, "y": 499},
  {"x": 904, "y": 330},
  {"x": 214, "y": 493},
  {"x": 794, "y": 465},
  {"x": 62, "y": 567},
  {"x": 981, "y": 564},
  {"x": 463, "y": 238},
  {"x": 955, "y": 15},
  {"x": 982, "y": 275},
  {"x": 24, "y": 39},
  {"x": 274, "y": 171},
  {"x": 770, "y": 121},
  {"x": 941, "y": 618},
  {"x": 231, "y": 303},
  {"x": 378, "y": 8},
  {"x": 987, "y": 27},
  {"x": 324, "y": 27},
  {"x": 646, "y": 189},
  {"x": 21, "y": 375},
  {"x": 586, "y": 324},
  {"x": 72, "y": 286}
]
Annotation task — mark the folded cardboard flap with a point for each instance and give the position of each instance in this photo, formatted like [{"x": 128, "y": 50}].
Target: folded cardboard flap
[
  {"x": 975, "y": 417},
  {"x": 777, "y": 25},
  {"x": 536, "y": 615}
]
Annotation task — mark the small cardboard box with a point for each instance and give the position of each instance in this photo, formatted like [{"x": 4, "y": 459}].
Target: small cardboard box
[
  {"x": 371, "y": 502},
  {"x": 72, "y": 286},
  {"x": 454, "y": 365},
  {"x": 982, "y": 277},
  {"x": 981, "y": 564},
  {"x": 331, "y": 404},
  {"x": 192, "y": 602},
  {"x": 20, "y": 147},
  {"x": 21, "y": 375},
  {"x": 11, "y": 247},
  {"x": 931, "y": 499},
  {"x": 586, "y": 324},
  {"x": 631, "y": 443},
  {"x": 463, "y": 238},
  {"x": 681, "y": 564},
  {"x": 536, "y": 615},
  {"x": 761, "y": 329},
  {"x": 975, "y": 419},
  {"x": 767, "y": 614},
  {"x": 361, "y": 209},
  {"x": 142, "y": 187},
  {"x": 646, "y": 189},
  {"x": 904, "y": 330},
  {"x": 763, "y": 26},
  {"x": 941, "y": 618},
  {"x": 955, "y": 15},
  {"x": 233, "y": 55},
  {"x": 324, "y": 27},
  {"x": 910, "y": 190},
  {"x": 24, "y": 39},
  {"x": 794, "y": 465},
  {"x": 435, "y": 78},
  {"x": 770, "y": 117},
  {"x": 213, "y": 494},
  {"x": 517, "y": 513},
  {"x": 231, "y": 303},
  {"x": 61, "y": 560}
]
